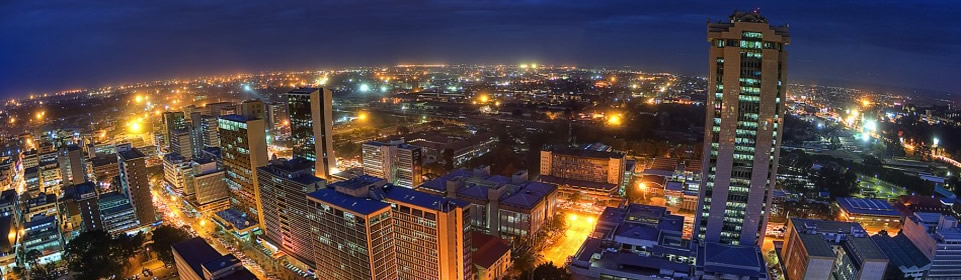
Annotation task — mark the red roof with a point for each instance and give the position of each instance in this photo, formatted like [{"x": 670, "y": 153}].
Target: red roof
[{"x": 489, "y": 249}]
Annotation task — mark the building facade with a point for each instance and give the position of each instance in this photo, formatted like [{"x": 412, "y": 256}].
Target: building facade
[
  {"x": 134, "y": 180},
  {"x": 394, "y": 161},
  {"x": 747, "y": 74},
  {"x": 244, "y": 149},
  {"x": 312, "y": 127},
  {"x": 284, "y": 185}
]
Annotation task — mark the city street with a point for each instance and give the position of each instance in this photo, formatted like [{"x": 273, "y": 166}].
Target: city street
[{"x": 579, "y": 226}]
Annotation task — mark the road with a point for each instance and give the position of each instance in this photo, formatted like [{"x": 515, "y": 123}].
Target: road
[{"x": 579, "y": 226}]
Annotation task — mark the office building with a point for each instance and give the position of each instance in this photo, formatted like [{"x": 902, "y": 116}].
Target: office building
[
  {"x": 8, "y": 246},
  {"x": 117, "y": 213},
  {"x": 181, "y": 142},
  {"x": 746, "y": 82},
  {"x": 353, "y": 233},
  {"x": 10, "y": 204},
  {"x": 197, "y": 260},
  {"x": 815, "y": 249},
  {"x": 243, "y": 148},
  {"x": 635, "y": 242},
  {"x": 208, "y": 133},
  {"x": 42, "y": 233},
  {"x": 939, "y": 238},
  {"x": 394, "y": 161},
  {"x": 312, "y": 128},
  {"x": 253, "y": 109},
  {"x": 172, "y": 121},
  {"x": 134, "y": 181},
  {"x": 74, "y": 169},
  {"x": 276, "y": 114},
  {"x": 221, "y": 109},
  {"x": 506, "y": 207},
  {"x": 177, "y": 171},
  {"x": 79, "y": 210},
  {"x": 596, "y": 173},
  {"x": 207, "y": 192},
  {"x": 105, "y": 169},
  {"x": 284, "y": 185},
  {"x": 724, "y": 261},
  {"x": 432, "y": 237},
  {"x": 906, "y": 261}
]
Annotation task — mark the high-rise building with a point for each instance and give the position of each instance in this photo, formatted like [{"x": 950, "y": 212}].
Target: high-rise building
[
  {"x": 432, "y": 235},
  {"x": 244, "y": 148},
  {"x": 172, "y": 121},
  {"x": 221, "y": 108},
  {"x": 597, "y": 171},
  {"x": 284, "y": 185},
  {"x": 276, "y": 114},
  {"x": 353, "y": 234},
  {"x": 938, "y": 236},
  {"x": 208, "y": 190},
  {"x": 746, "y": 83},
  {"x": 208, "y": 133},
  {"x": 177, "y": 171},
  {"x": 398, "y": 163},
  {"x": 72, "y": 162},
  {"x": 117, "y": 213},
  {"x": 312, "y": 128},
  {"x": 181, "y": 142},
  {"x": 134, "y": 180},
  {"x": 251, "y": 109}
]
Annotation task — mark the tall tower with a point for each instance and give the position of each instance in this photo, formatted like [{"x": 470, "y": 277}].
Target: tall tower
[
  {"x": 747, "y": 63},
  {"x": 135, "y": 182},
  {"x": 312, "y": 128},
  {"x": 244, "y": 149}
]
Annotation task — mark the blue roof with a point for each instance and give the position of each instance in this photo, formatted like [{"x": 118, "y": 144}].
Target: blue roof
[
  {"x": 362, "y": 181},
  {"x": 235, "y": 118},
  {"x": 731, "y": 259},
  {"x": 423, "y": 199},
  {"x": 196, "y": 252},
  {"x": 525, "y": 194},
  {"x": 235, "y": 217},
  {"x": 529, "y": 195},
  {"x": 867, "y": 206},
  {"x": 361, "y": 205},
  {"x": 578, "y": 183}
]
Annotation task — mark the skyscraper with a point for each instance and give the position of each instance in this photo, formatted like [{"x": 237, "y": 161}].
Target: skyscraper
[
  {"x": 312, "y": 128},
  {"x": 284, "y": 186},
  {"x": 134, "y": 180},
  {"x": 746, "y": 82},
  {"x": 394, "y": 161},
  {"x": 172, "y": 121},
  {"x": 244, "y": 148},
  {"x": 352, "y": 234}
]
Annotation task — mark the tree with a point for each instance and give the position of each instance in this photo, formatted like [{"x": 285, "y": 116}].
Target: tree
[
  {"x": 97, "y": 254},
  {"x": 44, "y": 272},
  {"x": 32, "y": 257},
  {"x": 403, "y": 130},
  {"x": 524, "y": 260},
  {"x": 547, "y": 271},
  {"x": 163, "y": 238}
]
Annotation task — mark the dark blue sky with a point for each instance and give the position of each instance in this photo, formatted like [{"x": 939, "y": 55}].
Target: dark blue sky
[{"x": 57, "y": 44}]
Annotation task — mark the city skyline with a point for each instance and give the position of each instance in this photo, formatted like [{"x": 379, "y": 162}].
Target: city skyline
[{"x": 121, "y": 43}]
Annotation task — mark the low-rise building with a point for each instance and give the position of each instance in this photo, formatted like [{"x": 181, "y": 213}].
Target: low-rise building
[
  {"x": 939, "y": 238},
  {"x": 507, "y": 207},
  {"x": 197, "y": 260},
  {"x": 491, "y": 257},
  {"x": 815, "y": 249},
  {"x": 869, "y": 212},
  {"x": 906, "y": 261}
]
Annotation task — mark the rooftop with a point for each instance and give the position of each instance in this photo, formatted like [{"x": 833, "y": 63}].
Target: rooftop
[
  {"x": 731, "y": 259},
  {"x": 133, "y": 153},
  {"x": 305, "y": 90},
  {"x": 361, "y": 205},
  {"x": 423, "y": 199},
  {"x": 489, "y": 249},
  {"x": 195, "y": 252},
  {"x": 867, "y": 206},
  {"x": 586, "y": 152},
  {"x": 235, "y": 118},
  {"x": 901, "y": 252}
]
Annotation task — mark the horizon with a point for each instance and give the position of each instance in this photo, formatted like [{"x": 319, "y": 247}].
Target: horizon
[{"x": 100, "y": 44}]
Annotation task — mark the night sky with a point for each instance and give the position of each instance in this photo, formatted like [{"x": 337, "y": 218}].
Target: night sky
[{"x": 58, "y": 44}]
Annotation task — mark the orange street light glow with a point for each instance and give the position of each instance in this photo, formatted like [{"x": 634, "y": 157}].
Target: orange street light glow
[{"x": 362, "y": 116}]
